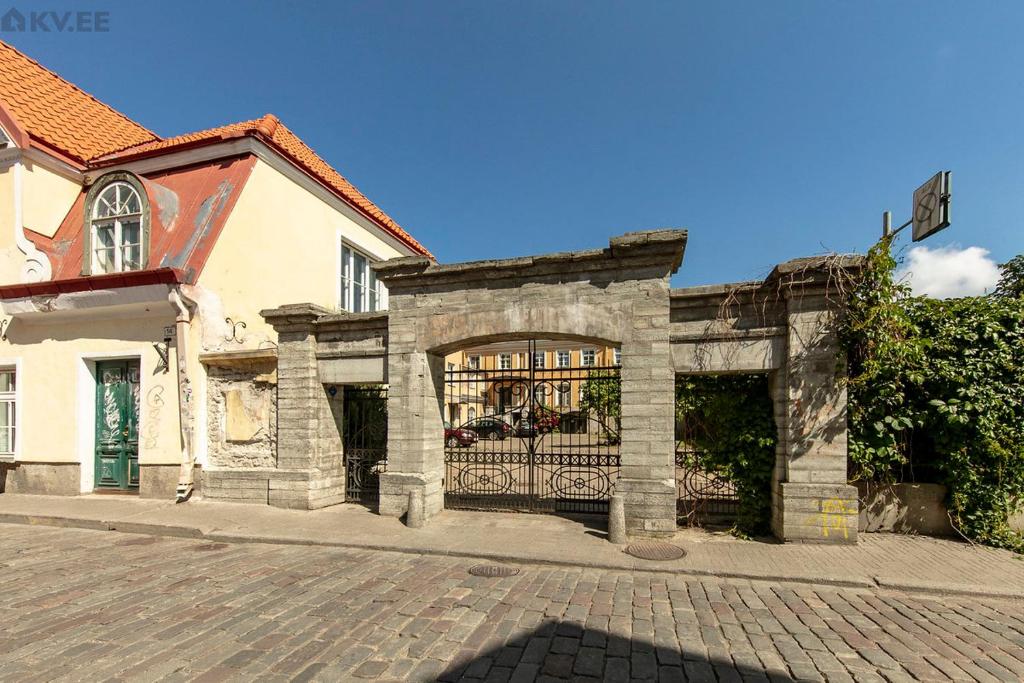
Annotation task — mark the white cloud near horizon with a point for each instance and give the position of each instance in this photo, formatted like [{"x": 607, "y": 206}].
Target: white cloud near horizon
[{"x": 948, "y": 272}]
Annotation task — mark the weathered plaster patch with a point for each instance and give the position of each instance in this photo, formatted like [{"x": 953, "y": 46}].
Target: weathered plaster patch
[
  {"x": 167, "y": 203},
  {"x": 208, "y": 212},
  {"x": 242, "y": 410}
]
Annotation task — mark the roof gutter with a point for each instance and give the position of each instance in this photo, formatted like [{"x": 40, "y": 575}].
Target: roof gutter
[{"x": 136, "y": 278}]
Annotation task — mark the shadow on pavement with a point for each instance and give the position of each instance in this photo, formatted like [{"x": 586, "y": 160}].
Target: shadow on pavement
[{"x": 559, "y": 651}]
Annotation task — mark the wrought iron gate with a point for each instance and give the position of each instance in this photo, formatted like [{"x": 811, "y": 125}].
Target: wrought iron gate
[
  {"x": 703, "y": 495},
  {"x": 365, "y": 439},
  {"x": 531, "y": 431}
]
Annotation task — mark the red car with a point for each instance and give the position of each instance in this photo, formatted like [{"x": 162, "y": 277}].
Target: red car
[{"x": 456, "y": 438}]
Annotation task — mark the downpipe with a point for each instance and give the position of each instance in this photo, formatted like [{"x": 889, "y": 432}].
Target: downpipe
[{"x": 182, "y": 322}]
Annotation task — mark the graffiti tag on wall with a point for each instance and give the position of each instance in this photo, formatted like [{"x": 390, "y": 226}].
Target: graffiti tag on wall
[
  {"x": 154, "y": 405},
  {"x": 834, "y": 516}
]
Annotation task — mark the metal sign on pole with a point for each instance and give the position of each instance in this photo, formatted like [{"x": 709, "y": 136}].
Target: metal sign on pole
[
  {"x": 931, "y": 206},
  {"x": 930, "y": 212}
]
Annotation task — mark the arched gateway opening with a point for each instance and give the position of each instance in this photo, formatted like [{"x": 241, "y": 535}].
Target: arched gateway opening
[
  {"x": 613, "y": 298},
  {"x": 532, "y": 426}
]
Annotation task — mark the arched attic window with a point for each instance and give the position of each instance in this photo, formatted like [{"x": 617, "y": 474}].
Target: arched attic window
[{"x": 116, "y": 226}]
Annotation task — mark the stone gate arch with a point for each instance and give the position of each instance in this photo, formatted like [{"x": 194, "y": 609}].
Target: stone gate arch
[{"x": 619, "y": 295}]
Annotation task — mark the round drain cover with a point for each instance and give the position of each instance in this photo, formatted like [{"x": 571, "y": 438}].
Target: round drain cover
[
  {"x": 493, "y": 570},
  {"x": 655, "y": 550},
  {"x": 211, "y": 546},
  {"x": 141, "y": 540}
]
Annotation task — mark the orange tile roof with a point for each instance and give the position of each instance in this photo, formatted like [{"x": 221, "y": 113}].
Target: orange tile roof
[
  {"x": 61, "y": 115},
  {"x": 280, "y": 137}
]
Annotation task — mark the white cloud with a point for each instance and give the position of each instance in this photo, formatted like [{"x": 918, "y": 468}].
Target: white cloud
[{"x": 948, "y": 272}]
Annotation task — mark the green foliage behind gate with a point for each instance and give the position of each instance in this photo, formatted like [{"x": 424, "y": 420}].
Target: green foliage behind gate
[{"x": 729, "y": 419}]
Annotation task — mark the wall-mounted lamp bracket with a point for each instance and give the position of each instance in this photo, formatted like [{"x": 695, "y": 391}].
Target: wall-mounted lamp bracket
[{"x": 163, "y": 351}]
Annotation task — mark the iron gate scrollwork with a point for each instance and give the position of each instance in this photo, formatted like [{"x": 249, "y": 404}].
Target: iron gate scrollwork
[
  {"x": 703, "y": 494},
  {"x": 365, "y": 437},
  {"x": 523, "y": 436}
]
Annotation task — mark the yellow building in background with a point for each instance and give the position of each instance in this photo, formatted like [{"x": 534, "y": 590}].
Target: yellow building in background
[{"x": 491, "y": 380}]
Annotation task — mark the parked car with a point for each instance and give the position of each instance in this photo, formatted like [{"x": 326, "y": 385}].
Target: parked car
[
  {"x": 457, "y": 437},
  {"x": 490, "y": 428}
]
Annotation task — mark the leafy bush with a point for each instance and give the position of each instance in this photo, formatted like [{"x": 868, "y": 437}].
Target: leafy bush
[
  {"x": 941, "y": 383},
  {"x": 729, "y": 419}
]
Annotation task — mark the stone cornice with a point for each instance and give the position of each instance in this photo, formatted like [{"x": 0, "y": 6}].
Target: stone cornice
[
  {"x": 293, "y": 316},
  {"x": 661, "y": 249}
]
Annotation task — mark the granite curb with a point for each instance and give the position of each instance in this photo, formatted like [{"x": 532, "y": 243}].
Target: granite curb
[{"x": 628, "y": 563}]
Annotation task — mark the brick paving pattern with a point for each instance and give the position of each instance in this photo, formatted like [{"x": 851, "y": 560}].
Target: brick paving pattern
[{"x": 90, "y": 605}]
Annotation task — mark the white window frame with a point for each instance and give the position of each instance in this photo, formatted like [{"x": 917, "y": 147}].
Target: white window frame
[
  {"x": 617, "y": 356},
  {"x": 504, "y": 361},
  {"x": 346, "y": 285},
  {"x": 584, "y": 353},
  {"x": 538, "y": 359},
  {"x": 559, "y": 355},
  {"x": 7, "y": 365},
  {"x": 473, "y": 362},
  {"x": 563, "y": 395},
  {"x": 118, "y": 220}
]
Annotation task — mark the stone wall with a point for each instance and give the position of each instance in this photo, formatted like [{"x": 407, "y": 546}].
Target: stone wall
[
  {"x": 55, "y": 479},
  {"x": 242, "y": 415},
  {"x": 618, "y": 296},
  {"x": 267, "y": 446},
  {"x": 784, "y": 326}
]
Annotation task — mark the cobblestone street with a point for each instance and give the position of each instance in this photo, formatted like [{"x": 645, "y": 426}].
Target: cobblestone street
[{"x": 92, "y": 605}]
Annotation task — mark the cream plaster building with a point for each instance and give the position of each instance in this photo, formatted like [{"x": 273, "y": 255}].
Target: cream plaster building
[{"x": 132, "y": 272}]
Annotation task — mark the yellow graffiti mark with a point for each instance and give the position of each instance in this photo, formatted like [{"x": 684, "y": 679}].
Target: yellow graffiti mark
[{"x": 834, "y": 513}]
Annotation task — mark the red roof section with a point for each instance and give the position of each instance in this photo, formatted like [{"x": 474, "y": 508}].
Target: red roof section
[
  {"x": 188, "y": 210},
  {"x": 61, "y": 115},
  {"x": 278, "y": 136},
  {"x": 133, "y": 278},
  {"x": 63, "y": 118}
]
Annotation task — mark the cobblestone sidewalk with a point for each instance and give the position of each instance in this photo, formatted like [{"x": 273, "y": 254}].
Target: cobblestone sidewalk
[
  {"x": 91, "y": 605},
  {"x": 886, "y": 560}
]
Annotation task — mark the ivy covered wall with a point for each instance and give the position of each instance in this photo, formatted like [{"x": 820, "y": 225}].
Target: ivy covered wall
[{"x": 936, "y": 392}]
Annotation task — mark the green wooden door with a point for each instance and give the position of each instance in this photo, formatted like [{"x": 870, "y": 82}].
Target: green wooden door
[{"x": 117, "y": 424}]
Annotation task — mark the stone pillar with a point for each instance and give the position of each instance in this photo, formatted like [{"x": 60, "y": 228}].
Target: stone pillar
[
  {"x": 647, "y": 480},
  {"x": 415, "y": 424},
  {"x": 309, "y": 455},
  {"x": 811, "y": 500}
]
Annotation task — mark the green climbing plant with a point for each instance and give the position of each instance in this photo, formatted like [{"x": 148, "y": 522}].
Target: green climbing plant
[
  {"x": 940, "y": 384},
  {"x": 729, "y": 420}
]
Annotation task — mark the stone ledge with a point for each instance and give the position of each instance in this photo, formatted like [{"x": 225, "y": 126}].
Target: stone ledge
[{"x": 230, "y": 359}]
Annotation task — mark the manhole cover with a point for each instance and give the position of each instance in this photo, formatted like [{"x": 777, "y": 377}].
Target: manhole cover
[
  {"x": 141, "y": 540},
  {"x": 211, "y": 546},
  {"x": 493, "y": 570},
  {"x": 655, "y": 550}
]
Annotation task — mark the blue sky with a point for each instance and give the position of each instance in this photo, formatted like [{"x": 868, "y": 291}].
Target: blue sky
[{"x": 769, "y": 129}]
